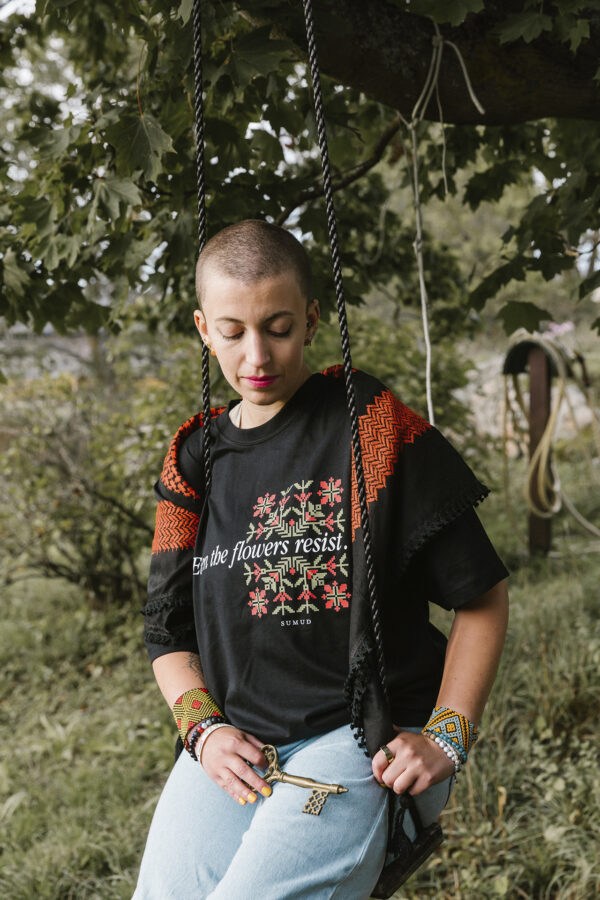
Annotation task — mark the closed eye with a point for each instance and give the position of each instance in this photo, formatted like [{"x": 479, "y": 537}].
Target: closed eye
[
  {"x": 280, "y": 333},
  {"x": 271, "y": 331}
]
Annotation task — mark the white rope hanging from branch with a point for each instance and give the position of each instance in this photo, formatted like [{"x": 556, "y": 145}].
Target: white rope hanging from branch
[{"x": 417, "y": 115}]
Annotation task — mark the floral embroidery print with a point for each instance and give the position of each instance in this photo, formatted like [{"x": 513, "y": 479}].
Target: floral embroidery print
[
  {"x": 301, "y": 560},
  {"x": 331, "y": 491},
  {"x": 337, "y": 596},
  {"x": 264, "y": 505}
]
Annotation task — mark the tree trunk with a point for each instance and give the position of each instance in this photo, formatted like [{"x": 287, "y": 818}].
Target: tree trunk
[{"x": 376, "y": 47}]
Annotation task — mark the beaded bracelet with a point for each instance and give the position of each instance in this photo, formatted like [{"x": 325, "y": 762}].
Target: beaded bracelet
[
  {"x": 192, "y": 707},
  {"x": 450, "y": 752},
  {"x": 453, "y": 729},
  {"x": 205, "y": 734},
  {"x": 193, "y": 735}
]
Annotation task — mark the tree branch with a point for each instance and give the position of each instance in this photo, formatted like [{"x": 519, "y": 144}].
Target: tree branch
[
  {"x": 351, "y": 175},
  {"x": 384, "y": 52}
]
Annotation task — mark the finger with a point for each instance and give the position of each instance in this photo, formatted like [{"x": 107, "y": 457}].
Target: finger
[
  {"x": 248, "y": 775},
  {"x": 404, "y": 783},
  {"x": 235, "y": 787},
  {"x": 393, "y": 771},
  {"x": 380, "y": 764},
  {"x": 256, "y": 756}
]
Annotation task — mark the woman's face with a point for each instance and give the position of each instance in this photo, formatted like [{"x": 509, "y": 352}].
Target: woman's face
[{"x": 258, "y": 333}]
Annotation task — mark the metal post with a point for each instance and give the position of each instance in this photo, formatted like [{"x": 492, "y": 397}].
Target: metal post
[{"x": 540, "y": 376}]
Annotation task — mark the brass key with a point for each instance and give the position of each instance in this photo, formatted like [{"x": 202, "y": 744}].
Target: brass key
[{"x": 319, "y": 790}]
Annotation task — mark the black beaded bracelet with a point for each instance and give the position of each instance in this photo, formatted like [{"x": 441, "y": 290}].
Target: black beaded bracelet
[{"x": 195, "y": 732}]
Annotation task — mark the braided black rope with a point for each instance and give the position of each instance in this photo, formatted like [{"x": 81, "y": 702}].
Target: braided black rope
[
  {"x": 201, "y": 185},
  {"x": 345, "y": 338}
]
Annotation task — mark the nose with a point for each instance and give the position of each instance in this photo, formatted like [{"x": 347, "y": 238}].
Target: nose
[{"x": 257, "y": 349}]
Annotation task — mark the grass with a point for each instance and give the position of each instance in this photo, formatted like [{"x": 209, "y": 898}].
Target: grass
[{"x": 87, "y": 744}]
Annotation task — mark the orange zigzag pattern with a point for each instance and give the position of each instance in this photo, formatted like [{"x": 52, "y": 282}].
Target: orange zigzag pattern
[
  {"x": 175, "y": 528},
  {"x": 171, "y": 476},
  {"x": 384, "y": 428}
]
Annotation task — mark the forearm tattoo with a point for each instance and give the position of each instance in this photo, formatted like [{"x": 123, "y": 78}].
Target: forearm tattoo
[{"x": 194, "y": 664}]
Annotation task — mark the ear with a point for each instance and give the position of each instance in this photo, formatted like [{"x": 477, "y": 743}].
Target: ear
[
  {"x": 313, "y": 314},
  {"x": 200, "y": 322}
]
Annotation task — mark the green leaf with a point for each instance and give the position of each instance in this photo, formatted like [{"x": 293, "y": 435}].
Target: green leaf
[
  {"x": 112, "y": 192},
  {"x": 140, "y": 143},
  {"x": 589, "y": 284},
  {"x": 579, "y": 31},
  {"x": 57, "y": 140},
  {"x": 266, "y": 147},
  {"x": 519, "y": 314},
  {"x": 36, "y": 216},
  {"x": 527, "y": 25},
  {"x": 452, "y": 11},
  {"x": 185, "y": 10},
  {"x": 515, "y": 270},
  {"x": 15, "y": 279}
]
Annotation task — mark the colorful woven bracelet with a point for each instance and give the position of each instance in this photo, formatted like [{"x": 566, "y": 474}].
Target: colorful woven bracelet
[
  {"x": 192, "y": 707},
  {"x": 453, "y": 728}
]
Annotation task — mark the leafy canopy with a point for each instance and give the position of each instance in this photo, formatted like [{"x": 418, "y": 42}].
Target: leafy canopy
[{"x": 98, "y": 196}]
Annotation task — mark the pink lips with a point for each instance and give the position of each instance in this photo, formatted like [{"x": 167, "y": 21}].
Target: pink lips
[{"x": 262, "y": 382}]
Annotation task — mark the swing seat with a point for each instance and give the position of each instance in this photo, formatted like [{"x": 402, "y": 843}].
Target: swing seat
[{"x": 398, "y": 871}]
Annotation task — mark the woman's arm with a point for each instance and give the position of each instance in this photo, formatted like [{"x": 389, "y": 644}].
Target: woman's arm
[
  {"x": 228, "y": 753},
  {"x": 177, "y": 673},
  {"x": 472, "y": 658}
]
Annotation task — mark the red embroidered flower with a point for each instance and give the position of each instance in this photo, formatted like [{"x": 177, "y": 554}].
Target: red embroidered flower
[
  {"x": 264, "y": 505},
  {"x": 331, "y": 566},
  {"x": 258, "y": 602},
  {"x": 328, "y": 522},
  {"x": 337, "y": 596},
  {"x": 303, "y": 497},
  {"x": 331, "y": 491}
]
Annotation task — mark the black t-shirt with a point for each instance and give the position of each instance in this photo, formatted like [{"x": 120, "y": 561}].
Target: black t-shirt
[{"x": 272, "y": 577}]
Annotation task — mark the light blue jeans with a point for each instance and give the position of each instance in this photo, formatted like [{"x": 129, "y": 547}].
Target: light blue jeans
[{"x": 202, "y": 845}]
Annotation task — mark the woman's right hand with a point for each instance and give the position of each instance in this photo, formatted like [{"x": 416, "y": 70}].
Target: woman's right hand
[{"x": 228, "y": 755}]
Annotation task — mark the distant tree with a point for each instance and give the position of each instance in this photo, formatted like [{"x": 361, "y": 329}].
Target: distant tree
[{"x": 97, "y": 196}]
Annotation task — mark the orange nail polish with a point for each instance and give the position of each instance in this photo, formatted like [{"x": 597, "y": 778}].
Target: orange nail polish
[
  {"x": 241, "y": 801},
  {"x": 266, "y": 791},
  {"x": 252, "y": 798}
]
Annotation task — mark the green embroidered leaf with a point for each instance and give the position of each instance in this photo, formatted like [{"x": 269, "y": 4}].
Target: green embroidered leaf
[
  {"x": 140, "y": 143},
  {"x": 517, "y": 314}
]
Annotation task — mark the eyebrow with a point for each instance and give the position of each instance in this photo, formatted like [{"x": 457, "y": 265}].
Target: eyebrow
[{"x": 283, "y": 312}]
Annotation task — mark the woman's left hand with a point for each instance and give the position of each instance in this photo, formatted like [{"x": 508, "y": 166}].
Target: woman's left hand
[{"x": 418, "y": 764}]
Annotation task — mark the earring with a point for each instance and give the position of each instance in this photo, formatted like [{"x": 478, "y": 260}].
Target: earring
[{"x": 208, "y": 346}]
